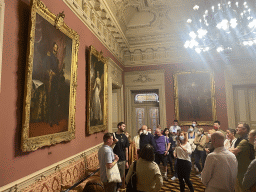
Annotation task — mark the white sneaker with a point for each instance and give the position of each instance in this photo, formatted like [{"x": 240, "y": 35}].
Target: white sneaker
[{"x": 174, "y": 178}]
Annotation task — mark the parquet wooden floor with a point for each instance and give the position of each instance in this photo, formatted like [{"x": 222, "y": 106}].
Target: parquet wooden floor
[{"x": 171, "y": 185}]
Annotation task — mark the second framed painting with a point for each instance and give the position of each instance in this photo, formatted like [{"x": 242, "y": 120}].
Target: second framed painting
[
  {"x": 195, "y": 97},
  {"x": 96, "y": 109}
]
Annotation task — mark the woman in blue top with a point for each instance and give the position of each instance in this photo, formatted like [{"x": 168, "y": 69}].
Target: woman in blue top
[{"x": 170, "y": 155}]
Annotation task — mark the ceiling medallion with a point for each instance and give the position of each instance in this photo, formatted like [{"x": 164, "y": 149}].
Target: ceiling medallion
[{"x": 222, "y": 26}]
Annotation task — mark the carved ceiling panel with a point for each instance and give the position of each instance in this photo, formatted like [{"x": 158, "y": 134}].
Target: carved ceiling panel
[{"x": 140, "y": 32}]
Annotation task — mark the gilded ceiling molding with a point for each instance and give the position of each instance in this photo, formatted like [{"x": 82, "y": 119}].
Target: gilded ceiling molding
[{"x": 96, "y": 15}]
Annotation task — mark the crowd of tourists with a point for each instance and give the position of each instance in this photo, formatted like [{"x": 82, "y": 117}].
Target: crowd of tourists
[{"x": 224, "y": 161}]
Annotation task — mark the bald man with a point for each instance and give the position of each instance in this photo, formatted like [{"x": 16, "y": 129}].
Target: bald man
[
  {"x": 146, "y": 138},
  {"x": 220, "y": 170}
]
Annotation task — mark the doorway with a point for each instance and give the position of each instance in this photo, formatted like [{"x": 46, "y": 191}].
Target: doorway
[{"x": 145, "y": 109}]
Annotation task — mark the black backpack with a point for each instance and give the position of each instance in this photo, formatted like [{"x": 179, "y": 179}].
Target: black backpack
[{"x": 131, "y": 186}]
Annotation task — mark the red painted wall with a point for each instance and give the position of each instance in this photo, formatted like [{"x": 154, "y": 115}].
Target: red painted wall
[
  {"x": 170, "y": 70},
  {"x": 14, "y": 164}
]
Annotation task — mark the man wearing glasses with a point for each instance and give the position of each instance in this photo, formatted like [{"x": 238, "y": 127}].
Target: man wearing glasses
[{"x": 242, "y": 153}]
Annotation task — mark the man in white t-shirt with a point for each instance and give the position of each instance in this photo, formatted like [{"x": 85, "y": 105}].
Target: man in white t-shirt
[
  {"x": 174, "y": 128},
  {"x": 220, "y": 170}
]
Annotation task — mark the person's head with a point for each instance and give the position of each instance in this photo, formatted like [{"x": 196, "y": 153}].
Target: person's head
[
  {"x": 149, "y": 130},
  {"x": 128, "y": 136},
  {"x": 108, "y": 139},
  {"x": 183, "y": 137},
  {"x": 252, "y": 136},
  {"x": 175, "y": 122},
  {"x": 194, "y": 123},
  {"x": 158, "y": 132},
  {"x": 231, "y": 133},
  {"x": 210, "y": 132},
  {"x": 200, "y": 131},
  {"x": 144, "y": 129},
  {"x": 190, "y": 129},
  {"x": 139, "y": 131},
  {"x": 55, "y": 48},
  {"x": 147, "y": 153},
  {"x": 166, "y": 132},
  {"x": 216, "y": 125},
  {"x": 242, "y": 129},
  {"x": 121, "y": 126},
  {"x": 217, "y": 139}
]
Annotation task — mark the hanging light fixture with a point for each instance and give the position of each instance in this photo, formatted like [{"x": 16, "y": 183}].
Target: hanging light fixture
[{"x": 222, "y": 26}]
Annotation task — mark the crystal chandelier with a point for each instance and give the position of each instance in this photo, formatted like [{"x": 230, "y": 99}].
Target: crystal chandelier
[{"x": 222, "y": 26}]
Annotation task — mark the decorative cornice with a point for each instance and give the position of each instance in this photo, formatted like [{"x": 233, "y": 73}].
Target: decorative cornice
[
  {"x": 169, "y": 55},
  {"x": 97, "y": 16}
]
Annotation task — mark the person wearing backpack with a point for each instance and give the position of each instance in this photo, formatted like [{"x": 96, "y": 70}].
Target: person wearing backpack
[{"x": 148, "y": 175}]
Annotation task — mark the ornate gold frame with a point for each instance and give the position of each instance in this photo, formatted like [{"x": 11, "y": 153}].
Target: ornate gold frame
[
  {"x": 99, "y": 55},
  {"x": 213, "y": 100},
  {"x": 33, "y": 143}
]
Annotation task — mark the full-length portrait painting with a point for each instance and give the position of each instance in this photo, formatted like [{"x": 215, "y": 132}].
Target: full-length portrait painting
[
  {"x": 194, "y": 98},
  {"x": 50, "y": 91},
  {"x": 96, "y": 91}
]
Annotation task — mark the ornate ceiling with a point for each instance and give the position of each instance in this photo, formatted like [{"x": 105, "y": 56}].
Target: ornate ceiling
[{"x": 140, "y": 32}]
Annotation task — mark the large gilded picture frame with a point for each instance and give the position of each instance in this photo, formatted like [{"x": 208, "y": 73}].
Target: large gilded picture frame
[
  {"x": 51, "y": 80},
  {"x": 96, "y": 108},
  {"x": 195, "y": 97}
]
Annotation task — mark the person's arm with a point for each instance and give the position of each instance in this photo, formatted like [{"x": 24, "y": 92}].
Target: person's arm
[
  {"x": 249, "y": 177},
  {"x": 241, "y": 147},
  {"x": 186, "y": 148},
  {"x": 208, "y": 169},
  {"x": 110, "y": 165},
  {"x": 159, "y": 182},
  {"x": 126, "y": 158},
  {"x": 203, "y": 141},
  {"x": 235, "y": 151},
  {"x": 196, "y": 141},
  {"x": 153, "y": 142},
  {"x": 129, "y": 174},
  {"x": 175, "y": 153}
]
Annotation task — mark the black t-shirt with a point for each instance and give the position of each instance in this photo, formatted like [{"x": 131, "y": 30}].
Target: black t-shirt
[{"x": 122, "y": 143}]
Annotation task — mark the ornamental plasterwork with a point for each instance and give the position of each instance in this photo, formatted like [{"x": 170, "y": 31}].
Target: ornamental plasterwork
[
  {"x": 97, "y": 17},
  {"x": 115, "y": 72},
  {"x": 143, "y": 79}
]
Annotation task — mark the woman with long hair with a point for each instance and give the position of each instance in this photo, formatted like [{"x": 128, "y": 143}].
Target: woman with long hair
[
  {"x": 148, "y": 174},
  {"x": 170, "y": 155},
  {"x": 182, "y": 152}
]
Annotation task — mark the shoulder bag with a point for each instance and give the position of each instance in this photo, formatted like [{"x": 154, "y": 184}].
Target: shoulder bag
[{"x": 113, "y": 174}]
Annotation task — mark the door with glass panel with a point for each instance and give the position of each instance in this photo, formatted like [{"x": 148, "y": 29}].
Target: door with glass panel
[
  {"x": 245, "y": 104},
  {"x": 145, "y": 111}
]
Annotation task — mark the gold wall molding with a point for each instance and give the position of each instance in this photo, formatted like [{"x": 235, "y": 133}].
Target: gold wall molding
[{"x": 21, "y": 184}]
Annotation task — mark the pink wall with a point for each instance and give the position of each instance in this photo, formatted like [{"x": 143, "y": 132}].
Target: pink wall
[
  {"x": 170, "y": 69},
  {"x": 14, "y": 164}
]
